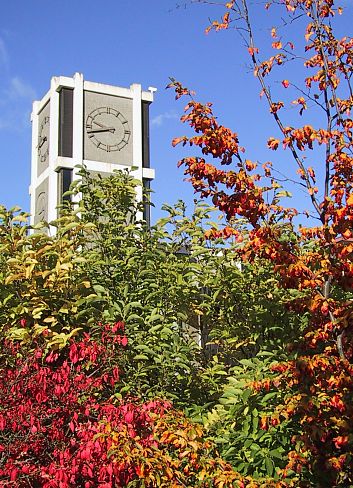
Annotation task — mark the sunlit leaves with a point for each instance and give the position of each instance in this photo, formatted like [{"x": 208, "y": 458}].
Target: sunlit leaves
[{"x": 315, "y": 266}]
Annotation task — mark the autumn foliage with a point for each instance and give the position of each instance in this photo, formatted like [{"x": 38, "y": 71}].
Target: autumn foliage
[
  {"x": 192, "y": 354},
  {"x": 61, "y": 425},
  {"x": 314, "y": 259}
]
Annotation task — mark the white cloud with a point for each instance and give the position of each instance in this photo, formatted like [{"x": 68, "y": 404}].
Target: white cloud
[
  {"x": 20, "y": 89},
  {"x": 15, "y": 100},
  {"x": 158, "y": 120},
  {"x": 16, "y": 95}
]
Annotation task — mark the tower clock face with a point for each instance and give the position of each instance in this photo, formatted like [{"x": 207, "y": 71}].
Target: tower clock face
[
  {"x": 108, "y": 129},
  {"x": 41, "y": 201},
  {"x": 41, "y": 205},
  {"x": 43, "y": 140}
]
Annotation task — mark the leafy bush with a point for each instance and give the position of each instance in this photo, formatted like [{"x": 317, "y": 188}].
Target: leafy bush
[
  {"x": 42, "y": 280},
  {"x": 61, "y": 425},
  {"x": 198, "y": 330}
]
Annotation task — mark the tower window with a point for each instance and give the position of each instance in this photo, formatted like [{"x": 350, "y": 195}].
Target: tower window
[
  {"x": 145, "y": 135},
  {"x": 65, "y": 180},
  {"x": 66, "y": 101}
]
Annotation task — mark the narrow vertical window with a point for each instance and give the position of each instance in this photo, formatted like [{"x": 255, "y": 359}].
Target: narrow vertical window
[
  {"x": 66, "y": 99},
  {"x": 145, "y": 134},
  {"x": 65, "y": 180}
]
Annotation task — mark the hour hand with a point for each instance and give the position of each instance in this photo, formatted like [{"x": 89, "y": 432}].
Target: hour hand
[
  {"x": 101, "y": 129},
  {"x": 41, "y": 142}
]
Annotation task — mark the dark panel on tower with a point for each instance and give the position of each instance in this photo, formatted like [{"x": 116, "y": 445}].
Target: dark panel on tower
[
  {"x": 66, "y": 122},
  {"x": 145, "y": 134},
  {"x": 64, "y": 180}
]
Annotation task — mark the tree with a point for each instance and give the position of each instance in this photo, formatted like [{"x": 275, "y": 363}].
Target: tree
[{"x": 312, "y": 262}]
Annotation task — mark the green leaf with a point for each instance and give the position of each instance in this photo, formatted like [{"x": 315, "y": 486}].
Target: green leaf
[
  {"x": 99, "y": 289},
  {"x": 269, "y": 466},
  {"x": 246, "y": 394}
]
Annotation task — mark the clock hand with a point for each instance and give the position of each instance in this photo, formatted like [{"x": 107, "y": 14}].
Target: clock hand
[
  {"x": 42, "y": 142},
  {"x": 102, "y": 129},
  {"x": 98, "y": 123}
]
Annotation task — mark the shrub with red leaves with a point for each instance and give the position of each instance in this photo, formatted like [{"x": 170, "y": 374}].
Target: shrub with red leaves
[
  {"x": 62, "y": 426},
  {"x": 53, "y": 409}
]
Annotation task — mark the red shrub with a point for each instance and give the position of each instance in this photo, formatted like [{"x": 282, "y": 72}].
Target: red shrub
[{"x": 53, "y": 409}]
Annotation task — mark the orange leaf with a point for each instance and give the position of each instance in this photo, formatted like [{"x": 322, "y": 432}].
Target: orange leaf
[
  {"x": 273, "y": 143},
  {"x": 253, "y": 50},
  {"x": 277, "y": 45},
  {"x": 311, "y": 172},
  {"x": 177, "y": 141}
]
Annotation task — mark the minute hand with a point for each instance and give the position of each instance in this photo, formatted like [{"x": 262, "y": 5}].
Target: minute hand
[
  {"x": 41, "y": 142},
  {"x": 101, "y": 129}
]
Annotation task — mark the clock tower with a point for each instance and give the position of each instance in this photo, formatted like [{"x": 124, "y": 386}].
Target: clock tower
[{"x": 80, "y": 122}]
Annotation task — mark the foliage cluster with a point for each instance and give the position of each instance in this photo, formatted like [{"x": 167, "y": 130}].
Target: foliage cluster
[
  {"x": 42, "y": 280},
  {"x": 228, "y": 363},
  {"x": 309, "y": 393},
  {"x": 60, "y": 426},
  {"x": 85, "y": 403}
]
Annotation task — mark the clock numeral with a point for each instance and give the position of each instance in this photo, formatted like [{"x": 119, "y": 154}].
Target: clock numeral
[
  {"x": 108, "y": 148},
  {"x": 44, "y": 156}
]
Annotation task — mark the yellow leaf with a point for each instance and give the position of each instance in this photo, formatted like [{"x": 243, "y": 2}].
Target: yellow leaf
[{"x": 49, "y": 320}]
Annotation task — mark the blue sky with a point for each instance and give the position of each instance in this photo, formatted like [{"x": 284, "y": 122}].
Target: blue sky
[{"x": 122, "y": 42}]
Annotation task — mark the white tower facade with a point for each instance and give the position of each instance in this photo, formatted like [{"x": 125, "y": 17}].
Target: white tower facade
[{"x": 80, "y": 122}]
